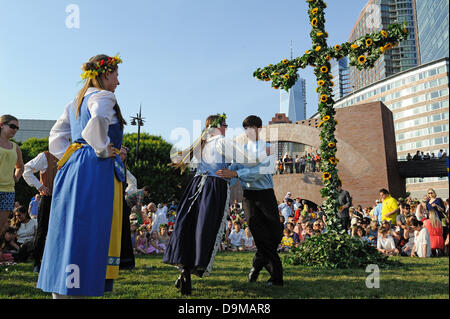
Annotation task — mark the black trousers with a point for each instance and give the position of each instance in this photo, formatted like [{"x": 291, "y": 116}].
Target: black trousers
[
  {"x": 42, "y": 229},
  {"x": 261, "y": 212},
  {"x": 127, "y": 261}
]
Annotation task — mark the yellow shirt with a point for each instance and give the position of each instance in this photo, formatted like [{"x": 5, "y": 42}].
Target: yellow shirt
[
  {"x": 287, "y": 241},
  {"x": 8, "y": 160},
  {"x": 389, "y": 204}
]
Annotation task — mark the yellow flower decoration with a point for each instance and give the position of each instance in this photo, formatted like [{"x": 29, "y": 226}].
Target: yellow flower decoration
[
  {"x": 286, "y": 76},
  {"x": 328, "y": 58},
  {"x": 331, "y": 145},
  {"x": 324, "y": 69},
  {"x": 314, "y": 22},
  {"x": 332, "y": 83},
  {"x": 326, "y": 117},
  {"x": 326, "y": 176},
  {"x": 267, "y": 79},
  {"x": 314, "y": 11},
  {"x": 292, "y": 66},
  {"x": 307, "y": 52},
  {"x": 320, "y": 124},
  {"x": 388, "y": 46},
  {"x": 354, "y": 46},
  {"x": 318, "y": 48},
  {"x": 331, "y": 76},
  {"x": 320, "y": 82},
  {"x": 270, "y": 65},
  {"x": 319, "y": 34},
  {"x": 362, "y": 59},
  {"x": 333, "y": 160},
  {"x": 90, "y": 74},
  {"x": 369, "y": 42},
  {"x": 285, "y": 61},
  {"x": 384, "y": 33},
  {"x": 337, "y": 47},
  {"x": 382, "y": 49},
  {"x": 326, "y": 34},
  {"x": 263, "y": 74},
  {"x": 275, "y": 73},
  {"x": 323, "y": 98},
  {"x": 275, "y": 87}
]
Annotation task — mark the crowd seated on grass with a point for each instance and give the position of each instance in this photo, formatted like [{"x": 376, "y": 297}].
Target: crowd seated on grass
[{"x": 421, "y": 228}]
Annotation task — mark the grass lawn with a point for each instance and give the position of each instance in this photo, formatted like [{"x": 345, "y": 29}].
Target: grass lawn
[{"x": 151, "y": 279}]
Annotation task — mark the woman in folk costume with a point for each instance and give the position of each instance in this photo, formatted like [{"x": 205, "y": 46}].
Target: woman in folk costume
[
  {"x": 201, "y": 216},
  {"x": 82, "y": 250}
]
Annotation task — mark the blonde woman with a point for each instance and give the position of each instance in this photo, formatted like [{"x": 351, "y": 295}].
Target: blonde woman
[
  {"x": 11, "y": 167},
  {"x": 435, "y": 229},
  {"x": 83, "y": 245}
]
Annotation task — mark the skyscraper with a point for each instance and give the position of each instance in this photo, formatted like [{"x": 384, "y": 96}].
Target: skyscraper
[
  {"x": 432, "y": 23},
  {"x": 378, "y": 15},
  {"x": 293, "y": 103},
  {"x": 341, "y": 78}
]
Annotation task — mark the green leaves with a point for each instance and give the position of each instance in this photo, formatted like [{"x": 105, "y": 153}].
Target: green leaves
[{"x": 336, "y": 250}]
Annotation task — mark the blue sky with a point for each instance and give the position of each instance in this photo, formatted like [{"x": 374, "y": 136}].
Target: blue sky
[{"x": 183, "y": 59}]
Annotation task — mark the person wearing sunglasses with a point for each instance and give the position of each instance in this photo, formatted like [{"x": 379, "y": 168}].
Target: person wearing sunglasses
[
  {"x": 11, "y": 167},
  {"x": 435, "y": 203}
]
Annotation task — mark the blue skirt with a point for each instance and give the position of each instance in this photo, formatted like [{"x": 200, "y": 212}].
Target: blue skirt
[
  {"x": 199, "y": 225},
  {"x": 76, "y": 250}
]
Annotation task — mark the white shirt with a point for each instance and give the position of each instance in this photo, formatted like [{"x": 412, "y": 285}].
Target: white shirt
[
  {"x": 248, "y": 241},
  {"x": 37, "y": 164},
  {"x": 422, "y": 238},
  {"x": 26, "y": 231},
  {"x": 101, "y": 106},
  {"x": 159, "y": 219},
  {"x": 385, "y": 243},
  {"x": 236, "y": 238}
]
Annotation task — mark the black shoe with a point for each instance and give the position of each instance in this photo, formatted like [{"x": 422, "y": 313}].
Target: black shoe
[
  {"x": 185, "y": 282},
  {"x": 253, "y": 275}
]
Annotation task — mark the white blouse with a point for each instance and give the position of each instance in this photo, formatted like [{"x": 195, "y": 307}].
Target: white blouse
[{"x": 101, "y": 106}]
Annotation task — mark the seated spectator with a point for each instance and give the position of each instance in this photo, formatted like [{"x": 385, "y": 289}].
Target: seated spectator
[
  {"x": 8, "y": 247},
  {"x": 236, "y": 238},
  {"x": 154, "y": 246},
  {"x": 286, "y": 242},
  {"x": 133, "y": 231},
  {"x": 422, "y": 242},
  {"x": 163, "y": 236},
  {"x": 316, "y": 227},
  {"x": 372, "y": 233},
  {"x": 26, "y": 231},
  {"x": 294, "y": 235},
  {"x": 361, "y": 234},
  {"x": 435, "y": 230},
  {"x": 421, "y": 210},
  {"x": 249, "y": 243},
  {"x": 385, "y": 243},
  {"x": 141, "y": 244}
]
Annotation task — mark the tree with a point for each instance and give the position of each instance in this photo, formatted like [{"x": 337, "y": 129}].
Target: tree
[{"x": 151, "y": 170}]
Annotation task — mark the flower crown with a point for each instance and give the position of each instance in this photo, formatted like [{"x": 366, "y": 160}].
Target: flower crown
[
  {"x": 101, "y": 67},
  {"x": 218, "y": 120}
]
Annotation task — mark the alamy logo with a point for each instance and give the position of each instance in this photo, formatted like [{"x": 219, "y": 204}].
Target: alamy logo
[
  {"x": 73, "y": 279},
  {"x": 73, "y": 17},
  {"x": 373, "y": 19},
  {"x": 373, "y": 280}
]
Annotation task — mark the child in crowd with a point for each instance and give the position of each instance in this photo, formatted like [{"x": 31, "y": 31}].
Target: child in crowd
[
  {"x": 133, "y": 231},
  {"x": 286, "y": 242},
  {"x": 249, "y": 243},
  {"x": 163, "y": 236},
  {"x": 236, "y": 238},
  {"x": 372, "y": 233},
  {"x": 154, "y": 246},
  {"x": 141, "y": 244}
]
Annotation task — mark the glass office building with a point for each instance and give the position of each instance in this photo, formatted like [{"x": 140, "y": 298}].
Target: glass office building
[
  {"x": 341, "y": 78},
  {"x": 378, "y": 15},
  {"x": 293, "y": 102},
  {"x": 432, "y": 23},
  {"x": 419, "y": 101}
]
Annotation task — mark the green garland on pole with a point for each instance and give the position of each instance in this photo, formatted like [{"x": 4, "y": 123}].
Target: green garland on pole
[{"x": 362, "y": 53}]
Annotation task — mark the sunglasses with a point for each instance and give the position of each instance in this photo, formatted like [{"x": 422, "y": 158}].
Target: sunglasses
[{"x": 14, "y": 127}]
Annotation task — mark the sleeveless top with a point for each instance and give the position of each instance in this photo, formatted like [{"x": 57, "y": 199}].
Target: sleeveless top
[{"x": 8, "y": 160}]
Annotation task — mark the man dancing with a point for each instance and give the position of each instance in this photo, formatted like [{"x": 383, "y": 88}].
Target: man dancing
[{"x": 260, "y": 205}]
